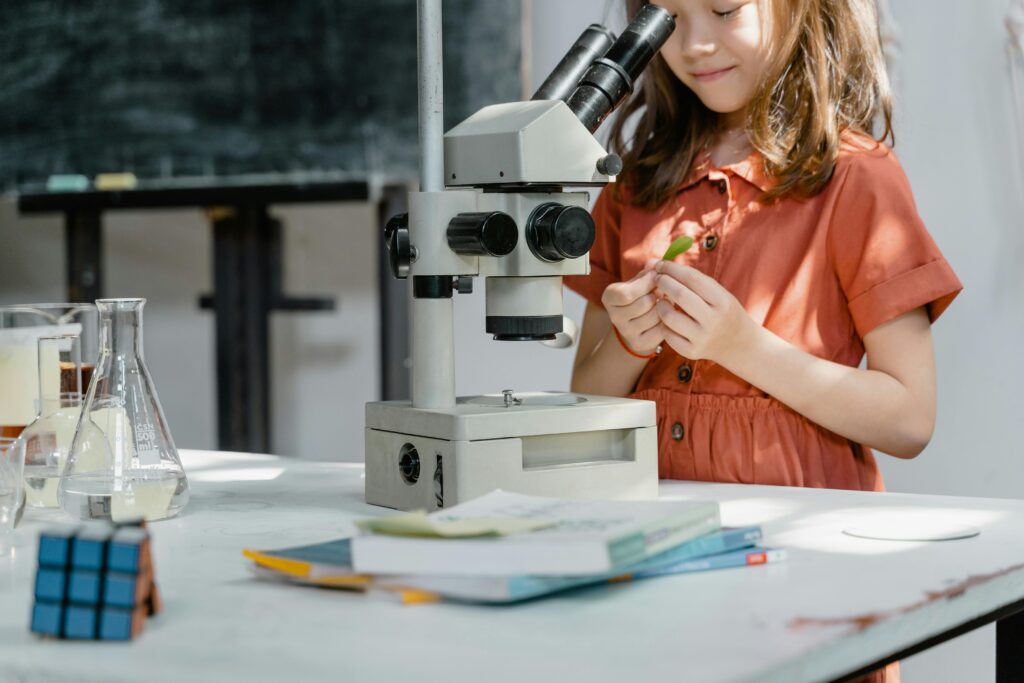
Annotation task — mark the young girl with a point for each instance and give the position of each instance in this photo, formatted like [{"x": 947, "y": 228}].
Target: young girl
[{"x": 752, "y": 135}]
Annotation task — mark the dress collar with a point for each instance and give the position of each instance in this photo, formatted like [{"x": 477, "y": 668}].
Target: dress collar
[{"x": 750, "y": 169}]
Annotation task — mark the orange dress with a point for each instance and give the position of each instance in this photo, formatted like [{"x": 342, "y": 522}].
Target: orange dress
[{"x": 820, "y": 273}]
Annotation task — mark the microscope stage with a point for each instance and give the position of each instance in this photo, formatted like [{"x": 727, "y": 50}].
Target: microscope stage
[{"x": 563, "y": 445}]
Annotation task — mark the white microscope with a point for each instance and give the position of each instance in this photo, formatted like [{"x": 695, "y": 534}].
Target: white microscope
[{"x": 492, "y": 203}]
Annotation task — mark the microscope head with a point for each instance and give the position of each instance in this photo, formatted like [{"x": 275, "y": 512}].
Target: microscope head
[{"x": 505, "y": 214}]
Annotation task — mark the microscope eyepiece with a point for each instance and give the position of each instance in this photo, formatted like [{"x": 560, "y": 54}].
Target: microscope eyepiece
[
  {"x": 592, "y": 43},
  {"x": 610, "y": 78}
]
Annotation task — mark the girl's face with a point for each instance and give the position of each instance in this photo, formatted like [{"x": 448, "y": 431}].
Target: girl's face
[{"x": 717, "y": 50}]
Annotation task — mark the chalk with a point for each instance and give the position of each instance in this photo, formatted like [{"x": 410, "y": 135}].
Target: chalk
[
  {"x": 67, "y": 183},
  {"x": 116, "y": 181}
]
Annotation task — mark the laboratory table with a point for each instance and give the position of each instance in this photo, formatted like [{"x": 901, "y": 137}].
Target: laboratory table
[{"x": 838, "y": 605}]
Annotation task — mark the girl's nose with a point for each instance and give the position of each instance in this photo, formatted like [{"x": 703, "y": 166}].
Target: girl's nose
[{"x": 698, "y": 43}]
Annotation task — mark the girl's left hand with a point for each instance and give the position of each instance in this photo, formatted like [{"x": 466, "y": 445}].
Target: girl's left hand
[{"x": 709, "y": 323}]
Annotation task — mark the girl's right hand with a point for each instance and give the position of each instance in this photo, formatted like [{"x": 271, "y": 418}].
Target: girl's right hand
[{"x": 631, "y": 308}]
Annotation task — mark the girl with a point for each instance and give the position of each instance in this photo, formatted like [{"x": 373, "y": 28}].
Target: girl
[{"x": 752, "y": 136}]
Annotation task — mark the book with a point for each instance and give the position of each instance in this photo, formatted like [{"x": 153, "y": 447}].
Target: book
[
  {"x": 328, "y": 565},
  {"x": 744, "y": 557},
  {"x": 500, "y": 589},
  {"x": 324, "y": 564},
  {"x": 587, "y": 538}
]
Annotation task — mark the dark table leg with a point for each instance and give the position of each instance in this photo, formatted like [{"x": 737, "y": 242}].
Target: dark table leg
[
  {"x": 83, "y": 245},
  {"x": 248, "y": 285},
  {"x": 241, "y": 299},
  {"x": 394, "y": 307},
  {"x": 1010, "y": 648}
]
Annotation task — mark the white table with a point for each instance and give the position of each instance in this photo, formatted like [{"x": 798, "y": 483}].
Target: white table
[{"x": 793, "y": 621}]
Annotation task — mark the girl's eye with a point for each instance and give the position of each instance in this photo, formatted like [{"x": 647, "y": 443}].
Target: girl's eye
[{"x": 725, "y": 14}]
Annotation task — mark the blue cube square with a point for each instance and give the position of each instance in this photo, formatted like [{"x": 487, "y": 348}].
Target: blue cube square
[
  {"x": 115, "y": 624},
  {"x": 50, "y": 584},
  {"x": 84, "y": 587},
  {"x": 46, "y": 618},
  {"x": 120, "y": 590},
  {"x": 80, "y": 622},
  {"x": 89, "y": 549},
  {"x": 55, "y": 546},
  {"x": 124, "y": 552}
]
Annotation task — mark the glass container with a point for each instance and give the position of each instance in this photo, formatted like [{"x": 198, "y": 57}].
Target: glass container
[
  {"x": 123, "y": 464},
  {"x": 48, "y": 438},
  {"x": 21, "y": 326}
]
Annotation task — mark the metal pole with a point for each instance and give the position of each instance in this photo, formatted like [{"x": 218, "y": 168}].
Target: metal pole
[
  {"x": 431, "y": 95},
  {"x": 433, "y": 328}
]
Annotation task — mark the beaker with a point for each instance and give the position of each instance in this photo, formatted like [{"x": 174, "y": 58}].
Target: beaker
[
  {"x": 21, "y": 326},
  {"x": 123, "y": 464},
  {"x": 48, "y": 438}
]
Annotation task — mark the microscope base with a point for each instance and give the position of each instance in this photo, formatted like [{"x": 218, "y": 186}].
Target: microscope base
[{"x": 560, "y": 445}]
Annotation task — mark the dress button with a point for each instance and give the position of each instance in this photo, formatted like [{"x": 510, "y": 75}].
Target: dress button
[
  {"x": 722, "y": 186},
  {"x": 678, "y": 431},
  {"x": 685, "y": 373},
  {"x": 710, "y": 242}
]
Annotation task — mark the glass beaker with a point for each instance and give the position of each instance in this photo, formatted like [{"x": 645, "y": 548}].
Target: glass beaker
[
  {"x": 48, "y": 438},
  {"x": 123, "y": 464},
  {"x": 21, "y": 326},
  {"x": 12, "y": 495}
]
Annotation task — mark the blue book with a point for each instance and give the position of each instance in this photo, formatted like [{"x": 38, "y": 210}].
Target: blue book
[
  {"x": 743, "y": 557},
  {"x": 498, "y": 589}
]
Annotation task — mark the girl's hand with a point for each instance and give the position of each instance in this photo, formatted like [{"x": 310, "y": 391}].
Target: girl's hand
[
  {"x": 631, "y": 308},
  {"x": 709, "y": 322}
]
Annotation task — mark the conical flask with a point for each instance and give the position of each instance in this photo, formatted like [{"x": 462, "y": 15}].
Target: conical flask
[{"x": 123, "y": 464}]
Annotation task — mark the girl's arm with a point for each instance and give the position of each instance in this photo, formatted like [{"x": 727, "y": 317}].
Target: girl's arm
[
  {"x": 602, "y": 366},
  {"x": 890, "y": 406}
]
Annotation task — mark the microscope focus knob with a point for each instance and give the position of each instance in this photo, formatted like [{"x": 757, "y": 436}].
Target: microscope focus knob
[
  {"x": 490, "y": 233},
  {"x": 396, "y": 237},
  {"x": 556, "y": 232},
  {"x": 610, "y": 165}
]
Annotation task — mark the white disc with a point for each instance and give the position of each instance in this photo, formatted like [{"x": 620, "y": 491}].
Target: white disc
[{"x": 911, "y": 530}]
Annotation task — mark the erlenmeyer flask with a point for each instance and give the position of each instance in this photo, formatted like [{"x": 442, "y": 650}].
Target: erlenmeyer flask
[
  {"x": 48, "y": 438},
  {"x": 123, "y": 464}
]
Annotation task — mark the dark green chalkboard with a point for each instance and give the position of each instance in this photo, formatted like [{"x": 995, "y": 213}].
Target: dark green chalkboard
[{"x": 181, "y": 88}]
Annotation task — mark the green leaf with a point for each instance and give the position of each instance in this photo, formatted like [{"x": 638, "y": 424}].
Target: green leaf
[{"x": 678, "y": 246}]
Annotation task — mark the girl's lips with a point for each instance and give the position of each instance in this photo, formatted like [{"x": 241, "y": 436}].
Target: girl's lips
[{"x": 708, "y": 76}]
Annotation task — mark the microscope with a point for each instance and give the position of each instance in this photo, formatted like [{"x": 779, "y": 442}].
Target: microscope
[{"x": 492, "y": 203}]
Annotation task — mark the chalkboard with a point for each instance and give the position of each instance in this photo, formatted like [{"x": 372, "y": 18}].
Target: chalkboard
[{"x": 180, "y": 88}]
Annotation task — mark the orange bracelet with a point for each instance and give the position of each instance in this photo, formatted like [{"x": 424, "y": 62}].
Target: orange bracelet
[{"x": 630, "y": 351}]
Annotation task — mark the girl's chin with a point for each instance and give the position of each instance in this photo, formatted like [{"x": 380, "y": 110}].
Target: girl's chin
[{"x": 721, "y": 106}]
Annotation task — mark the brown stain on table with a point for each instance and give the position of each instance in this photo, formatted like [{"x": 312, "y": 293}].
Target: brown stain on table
[{"x": 863, "y": 621}]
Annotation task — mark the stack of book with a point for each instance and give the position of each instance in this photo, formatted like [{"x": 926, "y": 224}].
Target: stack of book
[{"x": 506, "y": 547}]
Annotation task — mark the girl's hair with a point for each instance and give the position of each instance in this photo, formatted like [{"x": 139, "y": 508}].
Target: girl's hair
[{"x": 825, "y": 75}]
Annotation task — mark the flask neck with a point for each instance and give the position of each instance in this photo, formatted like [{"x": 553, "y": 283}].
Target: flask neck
[{"x": 121, "y": 327}]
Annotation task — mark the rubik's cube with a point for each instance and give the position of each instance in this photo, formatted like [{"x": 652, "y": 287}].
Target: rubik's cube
[{"x": 94, "y": 582}]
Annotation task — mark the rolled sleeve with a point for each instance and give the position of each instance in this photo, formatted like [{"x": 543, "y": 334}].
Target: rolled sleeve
[
  {"x": 886, "y": 261},
  {"x": 605, "y": 266}
]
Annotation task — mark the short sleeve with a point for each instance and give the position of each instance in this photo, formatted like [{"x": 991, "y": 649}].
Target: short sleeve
[
  {"x": 605, "y": 268},
  {"x": 886, "y": 261}
]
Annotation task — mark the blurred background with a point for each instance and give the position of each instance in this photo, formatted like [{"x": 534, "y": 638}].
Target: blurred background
[{"x": 325, "y": 91}]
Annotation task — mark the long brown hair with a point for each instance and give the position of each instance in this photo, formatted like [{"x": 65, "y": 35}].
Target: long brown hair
[{"x": 825, "y": 76}]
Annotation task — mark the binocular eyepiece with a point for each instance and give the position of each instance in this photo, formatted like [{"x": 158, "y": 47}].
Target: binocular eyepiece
[{"x": 597, "y": 74}]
